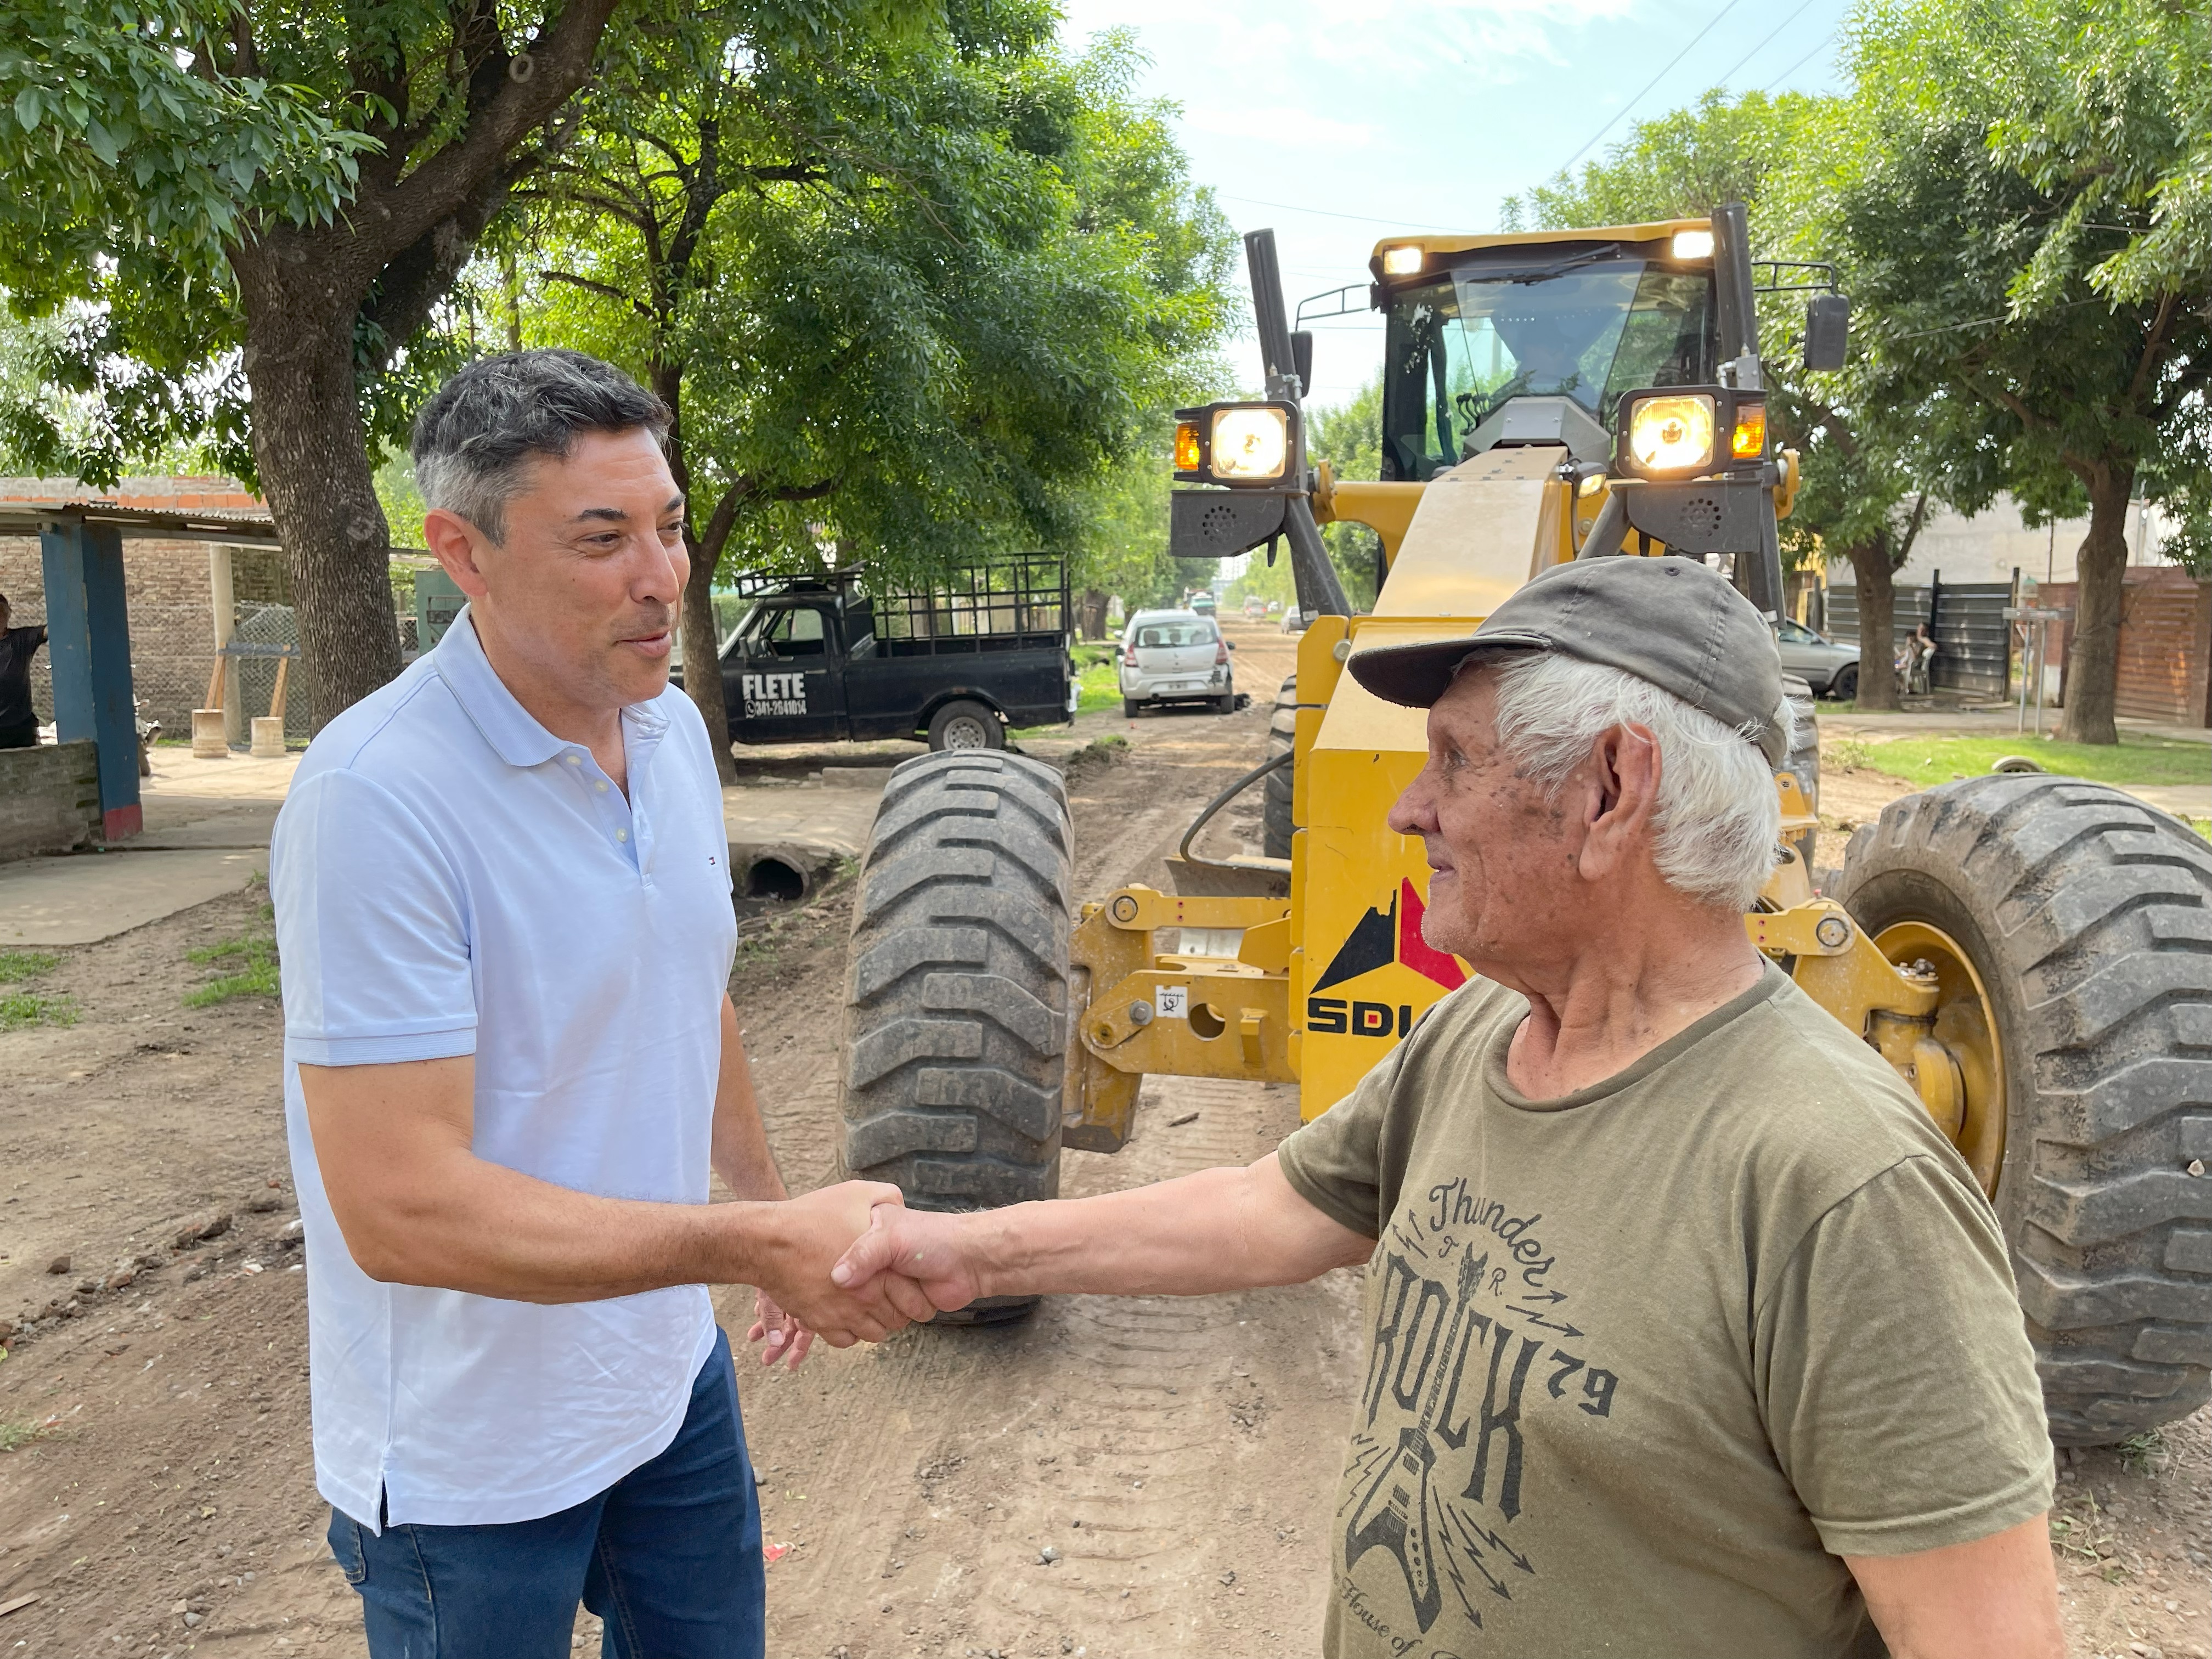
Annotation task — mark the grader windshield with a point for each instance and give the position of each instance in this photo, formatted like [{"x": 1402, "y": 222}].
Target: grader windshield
[{"x": 1581, "y": 323}]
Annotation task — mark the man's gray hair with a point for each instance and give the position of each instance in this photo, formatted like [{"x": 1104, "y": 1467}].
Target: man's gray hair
[
  {"x": 474, "y": 437},
  {"x": 1718, "y": 815}
]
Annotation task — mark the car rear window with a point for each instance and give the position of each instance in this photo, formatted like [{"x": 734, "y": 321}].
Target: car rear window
[{"x": 1171, "y": 636}]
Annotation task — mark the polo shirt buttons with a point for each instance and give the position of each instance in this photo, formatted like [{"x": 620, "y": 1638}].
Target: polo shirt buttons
[
  {"x": 601, "y": 786},
  {"x": 572, "y": 760},
  {"x": 622, "y": 835}
]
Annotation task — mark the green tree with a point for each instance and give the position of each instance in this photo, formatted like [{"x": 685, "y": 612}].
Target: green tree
[
  {"x": 1681, "y": 164},
  {"x": 907, "y": 300},
  {"x": 263, "y": 208},
  {"x": 2022, "y": 189},
  {"x": 1349, "y": 437}
]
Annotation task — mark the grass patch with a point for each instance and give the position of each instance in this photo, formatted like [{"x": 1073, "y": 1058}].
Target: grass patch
[
  {"x": 2134, "y": 760},
  {"x": 16, "y": 966},
  {"x": 19, "y": 1009},
  {"x": 16, "y": 1432},
  {"x": 2142, "y": 1453},
  {"x": 2202, "y": 827},
  {"x": 250, "y": 959}
]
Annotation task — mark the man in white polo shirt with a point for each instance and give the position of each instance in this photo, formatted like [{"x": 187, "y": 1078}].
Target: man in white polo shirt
[{"x": 502, "y": 902}]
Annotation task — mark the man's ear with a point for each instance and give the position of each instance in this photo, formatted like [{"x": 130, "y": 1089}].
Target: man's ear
[
  {"x": 1628, "y": 767},
  {"x": 455, "y": 543}
]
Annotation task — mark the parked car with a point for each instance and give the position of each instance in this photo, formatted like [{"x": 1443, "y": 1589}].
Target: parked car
[
  {"x": 956, "y": 663},
  {"x": 1296, "y": 621},
  {"x": 1176, "y": 656},
  {"x": 1202, "y": 603},
  {"x": 1831, "y": 669}
]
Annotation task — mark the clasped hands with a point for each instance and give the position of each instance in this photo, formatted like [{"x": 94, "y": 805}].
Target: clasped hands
[{"x": 851, "y": 1263}]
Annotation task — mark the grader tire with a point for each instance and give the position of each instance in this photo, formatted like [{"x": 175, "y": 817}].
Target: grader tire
[
  {"x": 1804, "y": 759},
  {"x": 1277, "y": 826},
  {"x": 2087, "y": 916},
  {"x": 955, "y": 1008}
]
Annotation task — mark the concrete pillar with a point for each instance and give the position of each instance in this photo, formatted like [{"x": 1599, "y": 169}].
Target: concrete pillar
[
  {"x": 88, "y": 644},
  {"x": 220, "y": 599}
]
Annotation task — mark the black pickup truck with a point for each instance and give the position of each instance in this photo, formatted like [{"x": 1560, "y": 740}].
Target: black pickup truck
[{"x": 957, "y": 662}]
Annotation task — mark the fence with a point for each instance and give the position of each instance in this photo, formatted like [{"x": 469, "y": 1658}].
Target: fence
[
  {"x": 1973, "y": 640},
  {"x": 2166, "y": 643}
]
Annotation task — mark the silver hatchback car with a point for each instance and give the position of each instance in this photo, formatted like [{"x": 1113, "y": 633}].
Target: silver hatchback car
[
  {"x": 1831, "y": 669},
  {"x": 1176, "y": 656}
]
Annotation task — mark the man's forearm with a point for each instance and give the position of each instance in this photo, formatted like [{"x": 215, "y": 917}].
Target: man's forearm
[
  {"x": 1219, "y": 1230},
  {"x": 741, "y": 1154},
  {"x": 477, "y": 1226}
]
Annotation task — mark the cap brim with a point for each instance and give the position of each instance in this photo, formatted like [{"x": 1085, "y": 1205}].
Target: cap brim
[{"x": 1417, "y": 675}]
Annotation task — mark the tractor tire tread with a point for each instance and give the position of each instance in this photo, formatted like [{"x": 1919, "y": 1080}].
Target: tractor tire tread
[
  {"x": 957, "y": 991},
  {"x": 2098, "y": 910}
]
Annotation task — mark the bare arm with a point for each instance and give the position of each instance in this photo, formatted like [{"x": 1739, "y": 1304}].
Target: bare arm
[
  {"x": 417, "y": 1206},
  {"x": 1219, "y": 1230},
  {"x": 1996, "y": 1598},
  {"x": 740, "y": 1150}
]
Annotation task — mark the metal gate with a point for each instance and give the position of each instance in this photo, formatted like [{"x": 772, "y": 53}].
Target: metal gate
[{"x": 1973, "y": 641}]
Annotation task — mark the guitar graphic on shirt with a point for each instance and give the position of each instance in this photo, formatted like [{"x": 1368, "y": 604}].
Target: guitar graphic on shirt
[{"x": 1393, "y": 1512}]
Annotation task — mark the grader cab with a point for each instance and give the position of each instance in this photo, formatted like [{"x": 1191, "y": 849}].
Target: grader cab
[{"x": 2030, "y": 952}]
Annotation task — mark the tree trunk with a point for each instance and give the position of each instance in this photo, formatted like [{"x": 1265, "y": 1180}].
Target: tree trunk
[
  {"x": 1092, "y": 613},
  {"x": 1877, "y": 594},
  {"x": 313, "y": 460},
  {"x": 2093, "y": 660},
  {"x": 702, "y": 665}
]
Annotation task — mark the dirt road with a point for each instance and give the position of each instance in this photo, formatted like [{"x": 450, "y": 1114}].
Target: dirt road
[{"x": 1174, "y": 1456}]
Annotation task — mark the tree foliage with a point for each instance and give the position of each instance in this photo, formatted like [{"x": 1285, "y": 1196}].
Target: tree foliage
[
  {"x": 2015, "y": 186},
  {"x": 1681, "y": 164}
]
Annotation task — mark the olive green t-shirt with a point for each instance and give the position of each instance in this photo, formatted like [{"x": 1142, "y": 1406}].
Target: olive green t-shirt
[{"x": 1645, "y": 1361}]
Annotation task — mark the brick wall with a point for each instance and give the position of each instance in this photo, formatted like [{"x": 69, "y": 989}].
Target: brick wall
[
  {"x": 49, "y": 799},
  {"x": 164, "y": 587}
]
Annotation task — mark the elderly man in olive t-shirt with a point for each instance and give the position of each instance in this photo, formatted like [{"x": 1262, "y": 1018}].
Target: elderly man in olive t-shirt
[{"x": 1690, "y": 1335}]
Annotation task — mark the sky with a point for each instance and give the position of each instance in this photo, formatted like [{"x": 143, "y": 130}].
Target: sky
[{"x": 1337, "y": 124}]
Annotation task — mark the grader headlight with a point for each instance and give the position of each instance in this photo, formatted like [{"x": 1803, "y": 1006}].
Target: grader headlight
[
  {"x": 1401, "y": 261},
  {"x": 1671, "y": 436},
  {"x": 1251, "y": 444},
  {"x": 1246, "y": 445},
  {"x": 1693, "y": 245}
]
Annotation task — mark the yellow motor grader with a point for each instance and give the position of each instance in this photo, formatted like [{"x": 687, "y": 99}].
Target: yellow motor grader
[{"x": 2033, "y": 954}]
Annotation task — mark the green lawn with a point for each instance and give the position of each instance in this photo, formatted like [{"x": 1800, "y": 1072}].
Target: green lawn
[{"x": 2135, "y": 760}]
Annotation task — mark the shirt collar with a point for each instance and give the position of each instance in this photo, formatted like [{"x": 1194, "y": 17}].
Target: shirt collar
[{"x": 512, "y": 729}]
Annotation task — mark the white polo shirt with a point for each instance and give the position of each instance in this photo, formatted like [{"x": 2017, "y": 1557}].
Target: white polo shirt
[{"x": 451, "y": 879}]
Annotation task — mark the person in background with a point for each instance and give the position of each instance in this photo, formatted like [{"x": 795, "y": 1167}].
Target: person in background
[{"x": 19, "y": 721}]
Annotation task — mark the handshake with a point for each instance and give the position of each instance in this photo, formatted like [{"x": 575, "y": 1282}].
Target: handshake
[{"x": 851, "y": 1263}]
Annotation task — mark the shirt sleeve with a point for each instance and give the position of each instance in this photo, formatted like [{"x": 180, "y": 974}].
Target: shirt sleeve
[
  {"x": 1335, "y": 1162},
  {"x": 1899, "y": 1387},
  {"x": 372, "y": 929}
]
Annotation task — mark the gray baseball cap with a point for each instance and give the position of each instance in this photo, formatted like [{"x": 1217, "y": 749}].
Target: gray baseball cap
[{"x": 1674, "y": 622}]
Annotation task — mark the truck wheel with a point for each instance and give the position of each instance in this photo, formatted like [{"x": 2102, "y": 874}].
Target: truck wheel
[
  {"x": 964, "y": 725},
  {"x": 1276, "y": 824},
  {"x": 957, "y": 1003},
  {"x": 2066, "y": 922}
]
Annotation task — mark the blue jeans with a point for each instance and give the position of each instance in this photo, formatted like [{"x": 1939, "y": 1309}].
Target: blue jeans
[{"x": 669, "y": 1556}]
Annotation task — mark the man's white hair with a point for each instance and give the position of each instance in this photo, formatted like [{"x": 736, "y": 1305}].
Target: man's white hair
[{"x": 1718, "y": 815}]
